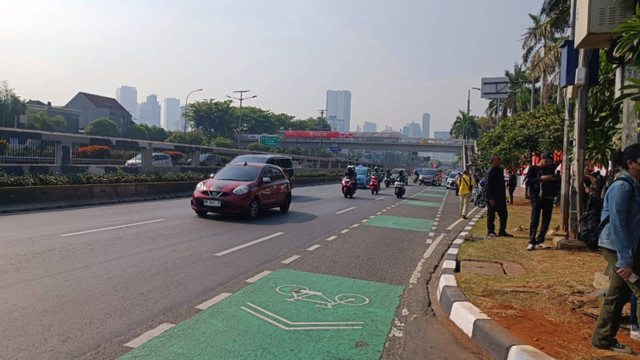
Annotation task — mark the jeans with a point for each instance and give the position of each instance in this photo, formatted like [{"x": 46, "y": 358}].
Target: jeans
[
  {"x": 617, "y": 296},
  {"x": 464, "y": 203},
  {"x": 546, "y": 207},
  {"x": 501, "y": 208}
]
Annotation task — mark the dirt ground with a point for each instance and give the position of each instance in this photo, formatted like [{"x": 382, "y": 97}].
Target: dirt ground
[{"x": 550, "y": 307}]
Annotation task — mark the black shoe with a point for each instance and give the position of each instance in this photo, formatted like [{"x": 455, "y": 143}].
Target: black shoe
[
  {"x": 464, "y": 217},
  {"x": 504, "y": 234},
  {"x": 617, "y": 347},
  {"x": 492, "y": 234}
]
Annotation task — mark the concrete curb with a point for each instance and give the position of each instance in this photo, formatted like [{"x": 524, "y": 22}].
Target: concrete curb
[{"x": 497, "y": 341}]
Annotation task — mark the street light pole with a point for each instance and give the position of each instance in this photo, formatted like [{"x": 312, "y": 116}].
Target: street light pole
[
  {"x": 468, "y": 114},
  {"x": 241, "y": 98},
  {"x": 186, "y": 108}
]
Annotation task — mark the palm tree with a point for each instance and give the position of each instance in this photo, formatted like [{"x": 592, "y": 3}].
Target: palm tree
[{"x": 465, "y": 127}]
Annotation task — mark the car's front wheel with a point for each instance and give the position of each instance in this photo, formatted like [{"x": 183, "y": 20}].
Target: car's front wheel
[
  {"x": 284, "y": 208},
  {"x": 254, "y": 208}
]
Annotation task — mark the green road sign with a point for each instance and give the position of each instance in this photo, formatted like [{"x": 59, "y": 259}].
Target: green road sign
[
  {"x": 401, "y": 223},
  {"x": 286, "y": 315},
  {"x": 271, "y": 141}
]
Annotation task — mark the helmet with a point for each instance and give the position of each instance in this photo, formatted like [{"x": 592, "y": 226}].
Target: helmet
[
  {"x": 375, "y": 168},
  {"x": 350, "y": 167},
  {"x": 401, "y": 172}
]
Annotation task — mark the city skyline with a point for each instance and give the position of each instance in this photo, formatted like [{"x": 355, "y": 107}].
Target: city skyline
[{"x": 391, "y": 56}]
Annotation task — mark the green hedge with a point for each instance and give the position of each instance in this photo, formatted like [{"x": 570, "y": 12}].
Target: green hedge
[
  {"x": 88, "y": 178},
  {"x": 318, "y": 174}
]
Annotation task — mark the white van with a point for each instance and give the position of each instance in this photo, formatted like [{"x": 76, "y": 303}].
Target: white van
[{"x": 159, "y": 159}]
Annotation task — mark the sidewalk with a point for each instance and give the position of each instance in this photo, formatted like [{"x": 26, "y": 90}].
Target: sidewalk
[{"x": 551, "y": 303}]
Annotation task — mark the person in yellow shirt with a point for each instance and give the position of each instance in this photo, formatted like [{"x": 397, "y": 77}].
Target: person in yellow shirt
[{"x": 465, "y": 184}]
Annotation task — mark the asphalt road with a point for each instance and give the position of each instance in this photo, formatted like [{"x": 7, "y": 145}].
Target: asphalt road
[{"x": 80, "y": 283}]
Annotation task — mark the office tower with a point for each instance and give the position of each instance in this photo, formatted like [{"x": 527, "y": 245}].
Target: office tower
[
  {"x": 369, "y": 127},
  {"x": 412, "y": 130},
  {"x": 339, "y": 110},
  {"x": 442, "y": 135},
  {"x": 127, "y": 96},
  {"x": 426, "y": 122},
  {"x": 173, "y": 120},
  {"x": 150, "y": 111}
]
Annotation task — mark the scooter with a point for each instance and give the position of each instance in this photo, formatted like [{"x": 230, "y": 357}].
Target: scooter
[
  {"x": 415, "y": 178},
  {"x": 374, "y": 184},
  {"x": 399, "y": 189},
  {"x": 479, "y": 195},
  {"x": 348, "y": 187},
  {"x": 387, "y": 181}
]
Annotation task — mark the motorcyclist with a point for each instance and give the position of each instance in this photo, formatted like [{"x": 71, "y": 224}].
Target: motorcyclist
[
  {"x": 351, "y": 174},
  {"x": 401, "y": 177},
  {"x": 376, "y": 172}
]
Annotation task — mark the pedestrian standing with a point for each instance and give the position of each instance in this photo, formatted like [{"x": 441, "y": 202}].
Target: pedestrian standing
[
  {"x": 465, "y": 184},
  {"x": 618, "y": 243},
  {"x": 496, "y": 198},
  {"x": 458, "y": 178},
  {"x": 542, "y": 180},
  {"x": 513, "y": 180}
]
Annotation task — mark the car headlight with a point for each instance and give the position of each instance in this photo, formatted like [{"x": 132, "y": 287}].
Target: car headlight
[
  {"x": 200, "y": 186},
  {"x": 241, "y": 190}
]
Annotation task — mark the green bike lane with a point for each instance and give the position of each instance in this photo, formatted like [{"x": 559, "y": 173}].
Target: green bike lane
[{"x": 338, "y": 302}]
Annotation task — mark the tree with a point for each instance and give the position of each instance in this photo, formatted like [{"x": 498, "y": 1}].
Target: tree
[
  {"x": 223, "y": 143},
  {"x": 155, "y": 133},
  {"x": 192, "y": 138},
  {"x": 467, "y": 122},
  {"x": 40, "y": 121},
  {"x": 10, "y": 105},
  {"x": 257, "y": 147},
  {"x": 102, "y": 127},
  {"x": 136, "y": 132},
  {"x": 213, "y": 117},
  {"x": 628, "y": 48}
]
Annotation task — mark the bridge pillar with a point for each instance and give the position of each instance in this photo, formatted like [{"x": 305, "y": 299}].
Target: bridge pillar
[{"x": 195, "y": 158}]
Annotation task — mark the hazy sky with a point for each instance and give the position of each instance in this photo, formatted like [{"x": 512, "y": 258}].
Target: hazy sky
[{"x": 399, "y": 58}]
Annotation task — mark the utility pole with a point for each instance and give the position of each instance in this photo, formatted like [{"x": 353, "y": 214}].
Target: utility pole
[
  {"x": 565, "y": 191},
  {"x": 241, "y": 98},
  {"x": 630, "y": 124},
  {"x": 579, "y": 136},
  {"x": 186, "y": 108}
]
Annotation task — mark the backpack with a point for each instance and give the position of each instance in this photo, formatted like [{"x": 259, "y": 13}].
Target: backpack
[{"x": 590, "y": 224}]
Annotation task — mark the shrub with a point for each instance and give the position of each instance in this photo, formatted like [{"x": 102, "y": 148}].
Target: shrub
[
  {"x": 93, "y": 152},
  {"x": 4, "y": 145},
  {"x": 120, "y": 177}
]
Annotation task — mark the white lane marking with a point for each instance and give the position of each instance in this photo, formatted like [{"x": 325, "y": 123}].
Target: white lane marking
[
  {"x": 317, "y": 326},
  {"x": 416, "y": 272},
  {"x": 382, "y": 198},
  {"x": 384, "y": 210},
  {"x": 378, "y": 213},
  {"x": 354, "y": 226},
  {"x": 112, "y": 227},
  {"x": 345, "y": 210},
  {"x": 149, "y": 335},
  {"x": 429, "y": 241},
  {"x": 432, "y": 247},
  {"x": 314, "y": 247},
  {"x": 432, "y": 234},
  {"x": 435, "y": 223},
  {"x": 291, "y": 259},
  {"x": 372, "y": 216},
  {"x": 322, "y": 194},
  {"x": 258, "y": 277},
  {"x": 222, "y": 253},
  {"x": 344, "y": 231},
  {"x": 454, "y": 224},
  {"x": 472, "y": 211},
  {"x": 209, "y": 303},
  {"x": 364, "y": 221},
  {"x": 331, "y": 238}
]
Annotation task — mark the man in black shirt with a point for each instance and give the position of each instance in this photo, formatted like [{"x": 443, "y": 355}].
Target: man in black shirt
[
  {"x": 512, "y": 184},
  {"x": 543, "y": 181},
  {"x": 496, "y": 198}
]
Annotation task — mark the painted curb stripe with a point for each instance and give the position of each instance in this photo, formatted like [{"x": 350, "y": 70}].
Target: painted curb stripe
[
  {"x": 149, "y": 335},
  {"x": 258, "y": 277},
  {"x": 209, "y": 303},
  {"x": 465, "y": 314}
]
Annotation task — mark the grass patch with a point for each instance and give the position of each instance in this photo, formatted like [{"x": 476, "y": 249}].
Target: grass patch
[{"x": 545, "y": 307}]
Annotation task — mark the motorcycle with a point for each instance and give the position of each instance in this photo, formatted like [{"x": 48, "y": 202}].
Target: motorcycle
[
  {"x": 399, "y": 189},
  {"x": 387, "y": 181},
  {"x": 479, "y": 196},
  {"x": 415, "y": 178},
  {"x": 348, "y": 187},
  {"x": 374, "y": 184}
]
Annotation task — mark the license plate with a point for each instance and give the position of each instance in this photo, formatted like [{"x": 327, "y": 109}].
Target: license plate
[{"x": 214, "y": 203}]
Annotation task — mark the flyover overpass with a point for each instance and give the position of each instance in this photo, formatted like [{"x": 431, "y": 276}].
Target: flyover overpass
[{"x": 382, "y": 144}]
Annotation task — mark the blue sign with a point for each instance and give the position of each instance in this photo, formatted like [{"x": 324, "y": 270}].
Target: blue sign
[{"x": 335, "y": 149}]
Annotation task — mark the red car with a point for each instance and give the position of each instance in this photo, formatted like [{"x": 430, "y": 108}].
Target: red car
[{"x": 244, "y": 188}]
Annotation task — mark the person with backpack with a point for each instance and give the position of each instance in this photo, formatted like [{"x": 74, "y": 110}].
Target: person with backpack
[
  {"x": 619, "y": 234},
  {"x": 465, "y": 184},
  {"x": 542, "y": 180}
]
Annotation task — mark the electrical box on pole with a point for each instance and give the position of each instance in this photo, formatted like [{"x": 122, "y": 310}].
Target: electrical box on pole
[{"x": 596, "y": 19}]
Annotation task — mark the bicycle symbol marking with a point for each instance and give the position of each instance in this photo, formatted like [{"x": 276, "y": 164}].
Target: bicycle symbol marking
[{"x": 302, "y": 293}]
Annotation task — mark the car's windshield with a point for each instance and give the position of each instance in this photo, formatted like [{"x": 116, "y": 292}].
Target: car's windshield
[
  {"x": 395, "y": 171},
  {"x": 429, "y": 172},
  {"x": 361, "y": 171},
  {"x": 453, "y": 175},
  {"x": 238, "y": 173}
]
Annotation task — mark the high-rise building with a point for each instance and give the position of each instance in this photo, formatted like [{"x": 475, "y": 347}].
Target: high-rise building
[
  {"x": 412, "y": 130},
  {"x": 127, "y": 96},
  {"x": 150, "y": 111},
  {"x": 358, "y": 129},
  {"x": 339, "y": 108},
  {"x": 426, "y": 122},
  {"x": 172, "y": 120},
  {"x": 369, "y": 127},
  {"x": 442, "y": 135}
]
